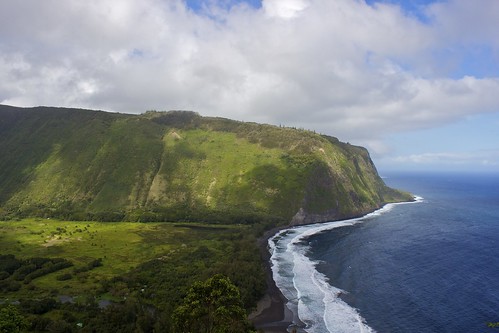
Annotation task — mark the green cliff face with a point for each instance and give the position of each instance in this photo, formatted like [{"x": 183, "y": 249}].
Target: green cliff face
[{"x": 172, "y": 166}]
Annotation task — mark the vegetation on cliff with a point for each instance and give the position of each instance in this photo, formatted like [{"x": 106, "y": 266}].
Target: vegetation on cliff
[{"x": 178, "y": 166}]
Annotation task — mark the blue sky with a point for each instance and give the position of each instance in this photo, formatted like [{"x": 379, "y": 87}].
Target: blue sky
[
  {"x": 414, "y": 81},
  {"x": 411, "y": 7},
  {"x": 197, "y": 5}
]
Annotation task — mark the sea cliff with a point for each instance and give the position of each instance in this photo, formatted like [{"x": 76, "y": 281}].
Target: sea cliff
[{"x": 178, "y": 166}]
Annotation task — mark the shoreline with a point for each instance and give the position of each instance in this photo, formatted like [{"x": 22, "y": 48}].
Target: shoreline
[{"x": 272, "y": 314}]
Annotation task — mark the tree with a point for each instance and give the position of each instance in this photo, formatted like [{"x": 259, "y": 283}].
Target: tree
[
  {"x": 213, "y": 306},
  {"x": 11, "y": 320}
]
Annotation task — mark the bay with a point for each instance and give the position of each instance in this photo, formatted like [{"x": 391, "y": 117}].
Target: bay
[{"x": 431, "y": 266}]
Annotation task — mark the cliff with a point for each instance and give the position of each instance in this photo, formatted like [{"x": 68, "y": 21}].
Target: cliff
[{"x": 174, "y": 166}]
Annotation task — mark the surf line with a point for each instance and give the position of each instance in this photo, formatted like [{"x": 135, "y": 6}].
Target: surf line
[{"x": 313, "y": 302}]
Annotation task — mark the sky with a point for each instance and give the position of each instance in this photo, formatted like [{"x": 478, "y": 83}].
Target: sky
[{"x": 414, "y": 81}]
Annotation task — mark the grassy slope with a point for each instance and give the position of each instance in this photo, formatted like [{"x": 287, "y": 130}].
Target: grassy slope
[
  {"x": 123, "y": 246},
  {"x": 81, "y": 164}
]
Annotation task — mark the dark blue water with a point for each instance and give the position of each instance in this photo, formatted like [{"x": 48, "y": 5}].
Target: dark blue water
[{"x": 426, "y": 267}]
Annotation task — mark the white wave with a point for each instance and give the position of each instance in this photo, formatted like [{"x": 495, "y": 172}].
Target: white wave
[
  {"x": 418, "y": 198},
  {"x": 311, "y": 299}
]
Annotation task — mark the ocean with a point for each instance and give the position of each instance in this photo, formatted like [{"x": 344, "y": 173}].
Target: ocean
[{"x": 427, "y": 266}]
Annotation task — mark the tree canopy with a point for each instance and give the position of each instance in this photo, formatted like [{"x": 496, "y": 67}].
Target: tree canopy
[
  {"x": 11, "y": 320},
  {"x": 213, "y": 306}
]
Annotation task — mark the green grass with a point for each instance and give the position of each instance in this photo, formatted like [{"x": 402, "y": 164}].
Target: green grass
[
  {"x": 121, "y": 245},
  {"x": 219, "y": 170},
  {"x": 144, "y": 266}
]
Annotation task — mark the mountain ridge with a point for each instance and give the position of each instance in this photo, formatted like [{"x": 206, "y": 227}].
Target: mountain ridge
[{"x": 178, "y": 166}]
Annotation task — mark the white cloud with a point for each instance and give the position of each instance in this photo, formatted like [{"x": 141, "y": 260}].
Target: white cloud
[
  {"x": 460, "y": 159},
  {"x": 340, "y": 67},
  {"x": 467, "y": 21},
  {"x": 284, "y": 8}
]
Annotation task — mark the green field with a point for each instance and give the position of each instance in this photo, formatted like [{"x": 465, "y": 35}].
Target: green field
[
  {"x": 144, "y": 269},
  {"x": 122, "y": 246}
]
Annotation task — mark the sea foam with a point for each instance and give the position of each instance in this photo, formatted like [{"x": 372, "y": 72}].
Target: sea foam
[{"x": 312, "y": 300}]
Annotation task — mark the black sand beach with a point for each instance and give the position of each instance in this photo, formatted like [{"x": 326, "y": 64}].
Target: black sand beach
[{"x": 271, "y": 315}]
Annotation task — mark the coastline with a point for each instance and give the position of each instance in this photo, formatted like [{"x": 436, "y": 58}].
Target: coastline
[{"x": 271, "y": 315}]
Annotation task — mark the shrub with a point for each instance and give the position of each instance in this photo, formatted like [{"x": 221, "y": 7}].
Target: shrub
[{"x": 64, "y": 277}]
